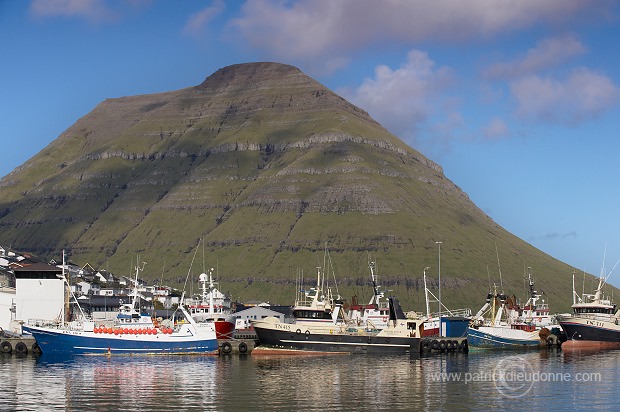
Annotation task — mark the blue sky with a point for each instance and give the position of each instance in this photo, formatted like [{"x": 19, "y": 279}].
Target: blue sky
[{"x": 518, "y": 101}]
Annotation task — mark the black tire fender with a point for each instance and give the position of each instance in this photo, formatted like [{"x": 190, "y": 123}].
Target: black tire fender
[
  {"x": 226, "y": 347},
  {"x": 243, "y": 348},
  {"x": 6, "y": 347},
  {"x": 21, "y": 348}
]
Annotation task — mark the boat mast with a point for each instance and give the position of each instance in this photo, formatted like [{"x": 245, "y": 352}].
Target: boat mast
[
  {"x": 439, "y": 271},
  {"x": 66, "y": 300},
  {"x": 211, "y": 311},
  {"x": 376, "y": 295},
  {"x": 135, "y": 283},
  {"x": 68, "y": 294},
  {"x": 574, "y": 292},
  {"x": 533, "y": 294},
  {"x": 428, "y": 309}
]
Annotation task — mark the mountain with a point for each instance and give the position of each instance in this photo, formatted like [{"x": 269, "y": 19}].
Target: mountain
[{"x": 270, "y": 168}]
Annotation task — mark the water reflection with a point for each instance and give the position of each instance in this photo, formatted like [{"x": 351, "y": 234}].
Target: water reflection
[{"x": 293, "y": 383}]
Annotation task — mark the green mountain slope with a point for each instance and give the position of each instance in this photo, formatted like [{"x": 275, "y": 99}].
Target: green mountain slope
[{"x": 269, "y": 167}]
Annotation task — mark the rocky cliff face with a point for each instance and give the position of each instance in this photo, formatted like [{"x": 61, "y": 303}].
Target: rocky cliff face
[{"x": 268, "y": 167}]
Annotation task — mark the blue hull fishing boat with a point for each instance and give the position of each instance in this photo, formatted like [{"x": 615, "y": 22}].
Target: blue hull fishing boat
[
  {"x": 131, "y": 332},
  {"x": 513, "y": 326},
  {"x": 85, "y": 339},
  {"x": 495, "y": 337}
]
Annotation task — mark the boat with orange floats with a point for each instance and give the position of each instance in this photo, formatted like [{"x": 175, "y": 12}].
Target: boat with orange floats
[
  {"x": 132, "y": 333},
  {"x": 129, "y": 331}
]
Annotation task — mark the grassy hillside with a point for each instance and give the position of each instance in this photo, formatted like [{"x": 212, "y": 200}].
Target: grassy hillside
[{"x": 269, "y": 168}]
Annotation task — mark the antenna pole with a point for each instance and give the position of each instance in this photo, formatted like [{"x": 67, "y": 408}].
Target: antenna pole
[
  {"x": 428, "y": 309},
  {"x": 501, "y": 283},
  {"x": 439, "y": 270}
]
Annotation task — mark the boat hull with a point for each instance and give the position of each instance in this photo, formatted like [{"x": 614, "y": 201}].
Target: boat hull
[
  {"x": 60, "y": 341},
  {"x": 597, "y": 332},
  {"x": 490, "y": 337},
  {"x": 337, "y": 342},
  {"x": 224, "y": 329}
]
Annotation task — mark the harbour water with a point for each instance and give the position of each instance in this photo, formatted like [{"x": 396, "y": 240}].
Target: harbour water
[{"x": 546, "y": 380}]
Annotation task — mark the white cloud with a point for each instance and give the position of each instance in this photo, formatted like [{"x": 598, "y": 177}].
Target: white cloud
[
  {"x": 554, "y": 236},
  {"x": 547, "y": 53},
  {"x": 405, "y": 98},
  {"x": 583, "y": 95},
  {"x": 91, "y": 10},
  {"x": 327, "y": 29},
  {"x": 495, "y": 129},
  {"x": 197, "y": 21}
]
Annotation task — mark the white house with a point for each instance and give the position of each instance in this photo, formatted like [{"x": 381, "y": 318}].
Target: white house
[
  {"x": 7, "y": 307},
  {"x": 111, "y": 291},
  {"x": 90, "y": 288},
  {"x": 39, "y": 293},
  {"x": 77, "y": 289}
]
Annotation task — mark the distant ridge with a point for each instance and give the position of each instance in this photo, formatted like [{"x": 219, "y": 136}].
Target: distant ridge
[{"x": 269, "y": 167}]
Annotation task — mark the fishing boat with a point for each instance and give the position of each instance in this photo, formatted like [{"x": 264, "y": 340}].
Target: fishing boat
[
  {"x": 131, "y": 333},
  {"x": 510, "y": 327},
  {"x": 594, "y": 321},
  {"x": 320, "y": 324},
  {"x": 377, "y": 312},
  {"x": 212, "y": 307}
]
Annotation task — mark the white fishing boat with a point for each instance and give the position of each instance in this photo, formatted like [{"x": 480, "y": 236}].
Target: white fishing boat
[
  {"x": 377, "y": 312},
  {"x": 321, "y": 325},
  {"x": 213, "y": 307}
]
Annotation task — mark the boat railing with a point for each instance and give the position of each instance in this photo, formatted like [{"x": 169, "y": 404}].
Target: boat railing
[
  {"x": 603, "y": 317},
  {"x": 459, "y": 313},
  {"x": 47, "y": 323}
]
